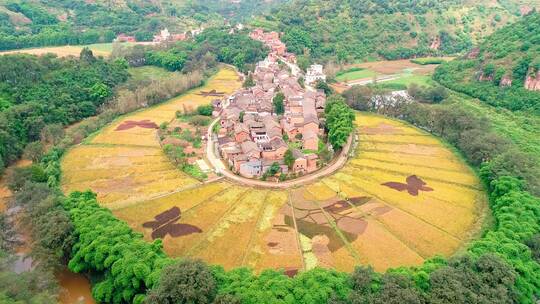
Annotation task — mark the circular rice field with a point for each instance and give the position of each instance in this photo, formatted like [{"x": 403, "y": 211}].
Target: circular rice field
[{"x": 403, "y": 197}]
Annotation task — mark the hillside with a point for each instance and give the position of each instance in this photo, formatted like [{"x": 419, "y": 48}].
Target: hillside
[
  {"x": 36, "y": 23},
  {"x": 504, "y": 70},
  {"x": 349, "y": 30}
]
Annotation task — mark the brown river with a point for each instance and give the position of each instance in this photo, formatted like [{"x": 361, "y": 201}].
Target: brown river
[{"x": 74, "y": 288}]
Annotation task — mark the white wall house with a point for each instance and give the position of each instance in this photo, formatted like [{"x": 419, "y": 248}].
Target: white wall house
[{"x": 314, "y": 73}]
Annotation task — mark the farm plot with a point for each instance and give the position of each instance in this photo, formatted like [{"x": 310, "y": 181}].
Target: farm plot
[
  {"x": 275, "y": 243},
  {"x": 403, "y": 197},
  {"x": 227, "y": 242},
  {"x": 124, "y": 164},
  {"x": 62, "y": 51}
]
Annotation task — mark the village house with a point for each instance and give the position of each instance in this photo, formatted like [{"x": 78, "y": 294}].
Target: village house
[
  {"x": 314, "y": 73},
  {"x": 165, "y": 36},
  {"x": 125, "y": 38}
]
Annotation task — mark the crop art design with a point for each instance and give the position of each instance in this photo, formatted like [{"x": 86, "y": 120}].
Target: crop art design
[
  {"x": 129, "y": 124},
  {"x": 413, "y": 185},
  {"x": 314, "y": 220},
  {"x": 212, "y": 93},
  {"x": 165, "y": 223}
]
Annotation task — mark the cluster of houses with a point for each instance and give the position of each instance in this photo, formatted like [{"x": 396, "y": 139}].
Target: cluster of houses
[
  {"x": 164, "y": 36},
  {"x": 253, "y": 138},
  {"x": 271, "y": 40}
]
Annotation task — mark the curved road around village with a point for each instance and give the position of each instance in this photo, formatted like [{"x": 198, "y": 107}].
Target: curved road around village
[{"x": 220, "y": 168}]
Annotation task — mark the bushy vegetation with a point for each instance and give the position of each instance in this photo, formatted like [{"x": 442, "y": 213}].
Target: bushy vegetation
[
  {"x": 510, "y": 54},
  {"x": 429, "y": 60},
  {"x": 46, "y": 90},
  {"x": 207, "y": 49},
  {"x": 339, "y": 121}
]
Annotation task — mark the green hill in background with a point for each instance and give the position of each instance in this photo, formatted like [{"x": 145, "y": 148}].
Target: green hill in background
[
  {"x": 503, "y": 70},
  {"x": 350, "y": 30}
]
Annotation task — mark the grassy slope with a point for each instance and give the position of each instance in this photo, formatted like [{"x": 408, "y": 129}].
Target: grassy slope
[
  {"x": 522, "y": 128},
  {"x": 356, "y": 75},
  {"x": 148, "y": 73}
]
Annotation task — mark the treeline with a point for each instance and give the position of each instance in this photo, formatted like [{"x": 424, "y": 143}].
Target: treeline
[
  {"x": 510, "y": 175},
  {"x": 212, "y": 46},
  {"x": 40, "y": 91}
]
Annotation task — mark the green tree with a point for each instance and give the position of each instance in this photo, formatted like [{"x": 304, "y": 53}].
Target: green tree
[
  {"x": 249, "y": 82},
  {"x": 322, "y": 85},
  {"x": 339, "y": 121},
  {"x": 184, "y": 282},
  {"x": 205, "y": 110},
  {"x": 278, "y": 103},
  {"x": 34, "y": 151},
  {"x": 288, "y": 158}
]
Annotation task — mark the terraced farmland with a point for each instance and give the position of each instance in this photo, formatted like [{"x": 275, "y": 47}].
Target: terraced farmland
[{"x": 403, "y": 197}]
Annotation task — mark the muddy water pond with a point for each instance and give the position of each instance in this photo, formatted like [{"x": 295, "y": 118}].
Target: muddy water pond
[{"x": 75, "y": 288}]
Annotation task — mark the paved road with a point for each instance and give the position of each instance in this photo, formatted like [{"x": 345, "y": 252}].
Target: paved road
[
  {"x": 219, "y": 167},
  {"x": 368, "y": 81}
]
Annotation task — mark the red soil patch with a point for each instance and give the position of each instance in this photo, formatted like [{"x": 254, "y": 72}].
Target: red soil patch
[
  {"x": 381, "y": 210},
  {"x": 291, "y": 272},
  {"x": 413, "y": 186},
  {"x": 165, "y": 223},
  {"x": 129, "y": 124}
]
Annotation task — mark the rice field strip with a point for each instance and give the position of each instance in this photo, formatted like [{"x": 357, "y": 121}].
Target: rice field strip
[
  {"x": 398, "y": 208},
  {"x": 214, "y": 226},
  {"x": 188, "y": 212},
  {"x": 255, "y": 229},
  {"x": 108, "y": 145},
  {"x": 409, "y": 164},
  {"x": 364, "y": 214},
  {"x": 332, "y": 223},
  {"x": 394, "y": 134},
  {"x": 297, "y": 234},
  {"x": 426, "y": 194},
  {"x": 435, "y": 179},
  {"x": 130, "y": 166},
  {"x": 186, "y": 188},
  {"x": 379, "y": 150},
  {"x": 374, "y": 141}
]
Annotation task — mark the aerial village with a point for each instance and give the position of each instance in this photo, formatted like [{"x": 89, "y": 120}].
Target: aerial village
[
  {"x": 252, "y": 138},
  {"x": 164, "y": 36}
]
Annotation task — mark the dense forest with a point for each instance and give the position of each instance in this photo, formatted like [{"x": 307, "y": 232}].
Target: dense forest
[
  {"x": 37, "y": 92},
  {"x": 213, "y": 45},
  {"x": 496, "y": 72},
  {"x": 358, "y": 30}
]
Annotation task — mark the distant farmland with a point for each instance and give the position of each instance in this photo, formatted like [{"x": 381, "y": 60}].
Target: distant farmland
[{"x": 99, "y": 49}]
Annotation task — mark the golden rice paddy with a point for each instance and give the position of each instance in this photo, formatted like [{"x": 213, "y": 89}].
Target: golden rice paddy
[{"x": 402, "y": 198}]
